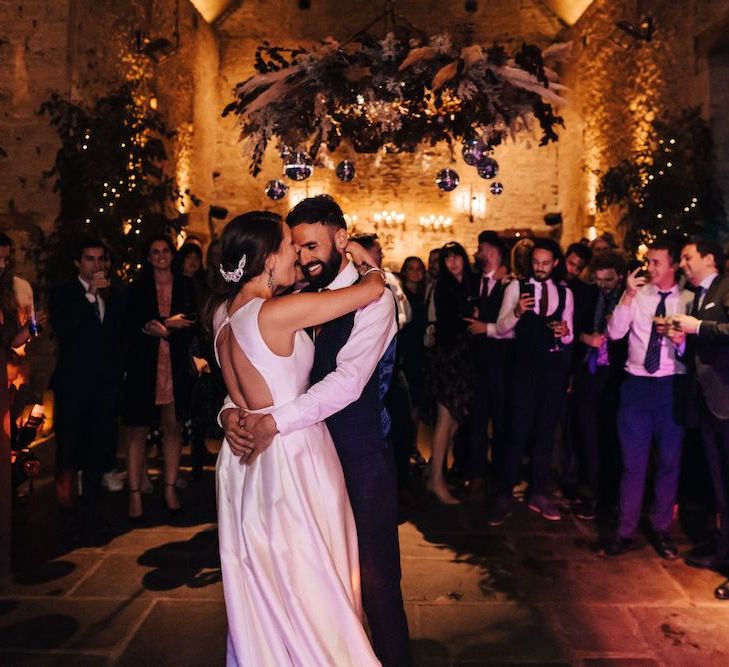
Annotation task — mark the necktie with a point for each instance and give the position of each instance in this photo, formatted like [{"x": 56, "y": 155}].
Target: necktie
[
  {"x": 697, "y": 301},
  {"x": 543, "y": 300},
  {"x": 653, "y": 353},
  {"x": 97, "y": 308}
]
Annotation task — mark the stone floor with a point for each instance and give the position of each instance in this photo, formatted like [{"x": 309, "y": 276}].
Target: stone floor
[{"x": 530, "y": 592}]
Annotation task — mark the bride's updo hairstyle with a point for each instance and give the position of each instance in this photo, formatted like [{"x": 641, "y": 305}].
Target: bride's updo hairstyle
[{"x": 245, "y": 244}]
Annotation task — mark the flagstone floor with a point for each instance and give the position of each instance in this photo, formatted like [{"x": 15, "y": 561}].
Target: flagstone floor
[{"x": 530, "y": 592}]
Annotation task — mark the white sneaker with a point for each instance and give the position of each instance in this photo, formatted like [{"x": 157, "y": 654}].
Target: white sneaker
[
  {"x": 112, "y": 481},
  {"x": 146, "y": 486}
]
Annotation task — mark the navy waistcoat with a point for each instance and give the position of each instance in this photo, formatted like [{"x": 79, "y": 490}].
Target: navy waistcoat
[{"x": 357, "y": 429}]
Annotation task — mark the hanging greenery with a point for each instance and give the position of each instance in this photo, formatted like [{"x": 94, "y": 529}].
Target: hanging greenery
[
  {"x": 667, "y": 188},
  {"x": 110, "y": 177},
  {"x": 394, "y": 94}
]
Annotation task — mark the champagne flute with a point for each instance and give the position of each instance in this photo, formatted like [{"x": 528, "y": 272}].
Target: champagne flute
[{"x": 556, "y": 345}]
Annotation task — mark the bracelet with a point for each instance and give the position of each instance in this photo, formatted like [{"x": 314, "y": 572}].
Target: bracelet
[{"x": 374, "y": 268}]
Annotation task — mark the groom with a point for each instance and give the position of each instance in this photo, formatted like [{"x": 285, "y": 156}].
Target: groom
[{"x": 346, "y": 393}]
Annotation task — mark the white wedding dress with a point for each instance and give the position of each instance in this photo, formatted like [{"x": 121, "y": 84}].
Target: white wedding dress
[{"x": 288, "y": 544}]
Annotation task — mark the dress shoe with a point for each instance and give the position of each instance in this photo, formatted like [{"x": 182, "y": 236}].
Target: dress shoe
[
  {"x": 664, "y": 546},
  {"x": 619, "y": 546},
  {"x": 710, "y": 562},
  {"x": 544, "y": 506},
  {"x": 499, "y": 512},
  {"x": 476, "y": 490},
  {"x": 721, "y": 592},
  {"x": 584, "y": 509}
]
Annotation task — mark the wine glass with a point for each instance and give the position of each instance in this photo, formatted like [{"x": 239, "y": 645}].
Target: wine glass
[{"x": 556, "y": 345}]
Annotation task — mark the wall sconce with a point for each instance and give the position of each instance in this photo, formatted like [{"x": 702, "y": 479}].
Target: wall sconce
[
  {"x": 471, "y": 203},
  {"x": 433, "y": 223},
  {"x": 389, "y": 220}
]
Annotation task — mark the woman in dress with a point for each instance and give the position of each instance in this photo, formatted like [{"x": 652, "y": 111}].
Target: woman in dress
[
  {"x": 450, "y": 381},
  {"x": 288, "y": 544},
  {"x": 158, "y": 367}
]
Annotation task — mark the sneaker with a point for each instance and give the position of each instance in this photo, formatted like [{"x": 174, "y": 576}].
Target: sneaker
[
  {"x": 146, "y": 485},
  {"x": 499, "y": 512},
  {"x": 544, "y": 506},
  {"x": 584, "y": 509},
  {"x": 112, "y": 481}
]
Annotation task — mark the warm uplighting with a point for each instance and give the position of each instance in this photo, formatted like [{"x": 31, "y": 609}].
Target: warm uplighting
[{"x": 471, "y": 202}]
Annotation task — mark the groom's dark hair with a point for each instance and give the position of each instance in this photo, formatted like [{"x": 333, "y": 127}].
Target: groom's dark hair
[{"x": 320, "y": 209}]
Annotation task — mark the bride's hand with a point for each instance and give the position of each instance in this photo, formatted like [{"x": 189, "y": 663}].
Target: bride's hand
[{"x": 361, "y": 258}]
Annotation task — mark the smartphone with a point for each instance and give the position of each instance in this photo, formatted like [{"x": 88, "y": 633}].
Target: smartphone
[
  {"x": 192, "y": 317},
  {"x": 528, "y": 289},
  {"x": 634, "y": 264}
]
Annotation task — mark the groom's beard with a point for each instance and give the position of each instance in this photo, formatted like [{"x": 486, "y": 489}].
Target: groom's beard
[{"x": 329, "y": 270}]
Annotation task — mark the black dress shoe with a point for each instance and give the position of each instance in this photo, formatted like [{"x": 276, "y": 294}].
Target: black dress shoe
[
  {"x": 664, "y": 546},
  {"x": 721, "y": 592},
  {"x": 710, "y": 562},
  {"x": 619, "y": 546}
]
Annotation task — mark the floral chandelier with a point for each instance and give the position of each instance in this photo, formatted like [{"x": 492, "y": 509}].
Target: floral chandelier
[{"x": 392, "y": 95}]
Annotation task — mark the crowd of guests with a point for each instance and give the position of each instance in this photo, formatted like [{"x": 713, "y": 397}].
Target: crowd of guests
[
  {"x": 535, "y": 368},
  {"x": 560, "y": 372}
]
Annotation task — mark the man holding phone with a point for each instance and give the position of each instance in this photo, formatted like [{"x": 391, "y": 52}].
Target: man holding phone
[
  {"x": 86, "y": 319},
  {"x": 538, "y": 314},
  {"x": 648, "y": 408}
]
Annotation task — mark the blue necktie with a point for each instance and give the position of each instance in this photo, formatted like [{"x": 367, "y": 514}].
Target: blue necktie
[{"x": 653, "y": 353}]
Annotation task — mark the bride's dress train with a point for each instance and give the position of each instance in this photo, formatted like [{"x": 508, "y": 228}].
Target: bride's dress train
[{"x": 288, "y": 545}]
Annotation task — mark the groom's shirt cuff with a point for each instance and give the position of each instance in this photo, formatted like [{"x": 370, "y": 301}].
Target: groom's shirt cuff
[{"x": 374, "y": 328}]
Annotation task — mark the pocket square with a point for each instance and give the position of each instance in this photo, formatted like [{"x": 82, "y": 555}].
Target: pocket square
[{"x": 709, "y": 305}]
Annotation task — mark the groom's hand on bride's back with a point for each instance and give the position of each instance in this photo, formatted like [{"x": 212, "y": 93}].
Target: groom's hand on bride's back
[{"x": 262, "y": 428}]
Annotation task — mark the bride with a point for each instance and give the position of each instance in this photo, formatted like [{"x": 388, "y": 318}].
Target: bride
[{"x": 288, "y": 546}]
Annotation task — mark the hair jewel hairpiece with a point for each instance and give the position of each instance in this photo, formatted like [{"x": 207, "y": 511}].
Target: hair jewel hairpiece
[{"x": 234, "y": 276}]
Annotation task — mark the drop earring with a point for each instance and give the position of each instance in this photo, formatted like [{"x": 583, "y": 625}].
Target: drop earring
[{"x": 271, "y": 282}]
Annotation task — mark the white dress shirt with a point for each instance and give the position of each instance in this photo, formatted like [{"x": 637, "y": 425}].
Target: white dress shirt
[
  {"x": 636, "y": 320},
  {"x": 487, "y": 283},
  {"x": 374, "y": 328},
  {"x": 91, "y": 298},
  {"x": 506, "y": 324}
]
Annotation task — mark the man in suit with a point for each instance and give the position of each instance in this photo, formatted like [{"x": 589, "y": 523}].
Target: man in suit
[
  {"x": 598, "y": 364},
  {"x": 649, "y": 406},
  {"x": 347, "y": 393},
  {"x": 86, "y": 319},
  {"x": 706, "y": 331},
  {"x": 492, "y": 366}
]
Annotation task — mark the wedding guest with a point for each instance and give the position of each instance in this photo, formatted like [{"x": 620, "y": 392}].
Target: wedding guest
[
  {"x": 649, "y": 405},
  {"x": 410, "y": 339},
  {"x": 189, "y": 263},
  {"x": 158, "y": 383},
  {"x": 706, "y": 333},
  {"x": 450, "y": 381},
  {"x": 430, "y": 280},
  {"x": 521, "y": 258},
  {"x": 12, "y": 336},
  {"x": 538, "y": 314},
  {"x": 576, "y": 258},
  {"x": 492, "y": 364},
  {"x": 599, "y": 368},
  {"x": 86, "y": 315}
]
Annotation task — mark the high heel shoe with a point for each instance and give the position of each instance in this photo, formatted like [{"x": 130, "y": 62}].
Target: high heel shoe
[
  {"x": 442, "y": 494},
  {"x": 173, "y": 511},
  {"x": 135, "y": 518}
]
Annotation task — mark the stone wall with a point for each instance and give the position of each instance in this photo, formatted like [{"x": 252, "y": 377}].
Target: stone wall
[
  {"x": 618, "y": 85},
  {"x": 402, "y": 183},
  {"x": 84, "y": 48}
]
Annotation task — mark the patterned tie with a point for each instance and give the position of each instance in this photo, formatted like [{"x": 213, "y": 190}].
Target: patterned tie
[{"x": 653, "y": 353}]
